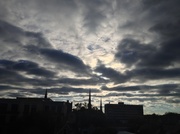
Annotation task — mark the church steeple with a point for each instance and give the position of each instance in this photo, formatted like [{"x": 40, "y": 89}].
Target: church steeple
[
  {"x": 89, "y": 103},
  {"x": 45, "y": 96},
  {"x": 101, "y": 104}
]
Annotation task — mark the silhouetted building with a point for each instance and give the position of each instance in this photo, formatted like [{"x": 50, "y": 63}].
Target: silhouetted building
[
  {"x": 12, "y": 109},
  {"x": 121, "y": 113}
]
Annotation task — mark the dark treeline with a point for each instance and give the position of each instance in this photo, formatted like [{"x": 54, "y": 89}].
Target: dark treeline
[{"x": 84, "y": 121}]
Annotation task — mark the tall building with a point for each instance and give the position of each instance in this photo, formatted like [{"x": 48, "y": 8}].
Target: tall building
[{"x": 122, "y": 113}]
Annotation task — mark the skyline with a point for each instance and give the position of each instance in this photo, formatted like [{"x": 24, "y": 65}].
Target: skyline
[{"x": 124, "y": 51}]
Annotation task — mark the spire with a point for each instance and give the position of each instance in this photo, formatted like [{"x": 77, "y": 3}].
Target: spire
[
  {"x": 89, "y": 103},
  {"x": 101, "y": 104},
  {"x": 45, "y": 96}
]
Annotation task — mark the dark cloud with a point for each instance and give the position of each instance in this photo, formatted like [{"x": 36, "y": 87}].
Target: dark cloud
[
  {"x": 150, "y": 62},
  {"x": 160, "y": 90},
  {"x": 7, "y": 75},
  {"x": 131, "y": 51},
  {"x": 163, "y": 51},
  {"x": 91, "y": 81},
  {"x": 160, "y": 9},
  {"x": 167, "y": 29},
  {"x": 23, "y": 65},
  {"x": 122, "y": 88},
  {"x": 112, "y": 74},
  {"x": 65, "y": 60},
  {"x": 71, "y": 89},
  {"x": 166, "y": 55},
  {"x": 8, "y": 31},
  {"x": 22, "y": 92},
  {"x": 140, "y": 75},
  {"x": 5, "y": 87},
  {"x": 15, "y": 41},
  {"x": 27, "y": 66},
  {"x": 146, "y": 74},
  {"x": 14, "y": 95},
  {"x": 10, "y": 74},
  {"x": 16, "y": 35},
  {"x": 172, "y": 96}
]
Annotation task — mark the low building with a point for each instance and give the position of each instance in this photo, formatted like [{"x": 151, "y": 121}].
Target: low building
[
  {"x": 121, "y": 113},
  {"x": 12, "y": 109}
]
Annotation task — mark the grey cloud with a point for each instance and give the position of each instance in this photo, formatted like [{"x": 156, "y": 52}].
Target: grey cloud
[
  {"x": 117, "y": 94},
  {"x": 166, "y": 55},
  {"x": 131, "y": 51},
  {"x": 91, "y": 81},
  {"x": 161, "y": 90},
  {"x": 14, "y": 95},
  {"x": 112, "y": 74},
  {"x": 175, "y": 101},
  {"x": 94, "y": 13},
  {"x": 41, "y": 72},
  {"x": 23, "y": 65},
  {"x": 122, "y": 88},
  {"x": 23, "y": 9},
  {"x": 15, "y": 41},
  {"x": 71, "y": 89},
  {"x": 92, "y": 20},
  {"x": 41, "y": 91},
  {"x": 143, "y": 99},
  {"x": 16, "y": 35},
  {"x": 167, "y": 29},
  {"x": 61, "y": 90},
  {"x": 146, "y": 74},
  {"x": 7, "y": 87},
  {"x": 141, "y": 74},
  {"x": 8, "y": 74},
  {"x": 150, "y": 62},
  {"x": 65, "y": 60},
  {"x": 37, "y": 45},
  {"x": 11, "y": 75},
  {"x": 162, "y": 18},
  {"x": 28, "y": 66}
]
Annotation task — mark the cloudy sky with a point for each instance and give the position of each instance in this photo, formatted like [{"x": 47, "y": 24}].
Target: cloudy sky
[{"x": 123, "y": 50}]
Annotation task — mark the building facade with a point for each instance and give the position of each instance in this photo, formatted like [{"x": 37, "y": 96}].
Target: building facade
[
  {"x": 122, "y": 113},
  {"x": 13, "y": 109}
]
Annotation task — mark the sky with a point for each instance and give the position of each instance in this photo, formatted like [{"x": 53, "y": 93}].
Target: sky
[{"x": 122, "y": 50}]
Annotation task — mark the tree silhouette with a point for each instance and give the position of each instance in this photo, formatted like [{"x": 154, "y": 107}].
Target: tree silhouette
[{"x": 80, "y": 106}]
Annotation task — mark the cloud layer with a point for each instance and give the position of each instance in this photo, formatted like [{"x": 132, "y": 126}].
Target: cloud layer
[{"x": 121, "y": 50}]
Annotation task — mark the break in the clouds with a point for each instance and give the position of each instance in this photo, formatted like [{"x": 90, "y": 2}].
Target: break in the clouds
[{"x": 122, "y": 50}]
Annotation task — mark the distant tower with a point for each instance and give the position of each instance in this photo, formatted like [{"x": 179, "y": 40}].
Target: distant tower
[
  {"x": 101, "y": 104},
  {"x": 89, "y": 103},
  {"x": 45, "y": 96}
]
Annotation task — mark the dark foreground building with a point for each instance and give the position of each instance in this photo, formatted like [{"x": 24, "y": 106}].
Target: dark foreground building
[
  {"x": 121, "y": 113},
  {"x": 31, "y": 111}
]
